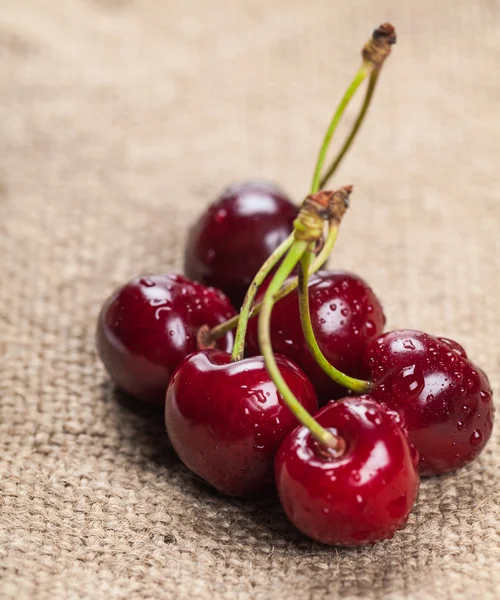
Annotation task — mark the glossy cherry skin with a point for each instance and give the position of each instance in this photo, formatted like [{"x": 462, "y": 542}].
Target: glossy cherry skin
[
  {"x": 346, "y": 315},
  {"x": 446, "y": 401},
  {"x": 363, "y": 496},
  {"x": 236, "y": 234},
  {"x": 150, "y": 324},
  {"x": 226, "y": 419}
]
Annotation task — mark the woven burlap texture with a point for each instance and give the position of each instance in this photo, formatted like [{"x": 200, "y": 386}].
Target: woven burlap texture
[{"x": 121, "y": 120}]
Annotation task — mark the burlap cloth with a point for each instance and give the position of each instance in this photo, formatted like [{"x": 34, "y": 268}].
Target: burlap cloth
[{"x": 120, "y": 120}]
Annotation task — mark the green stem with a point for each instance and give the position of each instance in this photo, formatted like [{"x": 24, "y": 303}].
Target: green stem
[
  {"x": 322, "y": 436},
  {"x": 220, "y": 330},
  {"x": 358, "y": 386},
  {"x": 351, "y": 90},
  {"x": 347, "y": 144},
  {"x": 239, "y": 340}
]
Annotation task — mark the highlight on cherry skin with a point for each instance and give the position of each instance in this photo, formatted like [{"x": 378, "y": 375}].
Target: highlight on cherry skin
[
  {"x": 346, "y": 315},
  {"x": 361, "y": 495},
  {"x": 226, "y": 419},
  {"x": 150, "y": 324},
  {"x": 235, "y": 235},
  {"x": 445, "y": 400}
]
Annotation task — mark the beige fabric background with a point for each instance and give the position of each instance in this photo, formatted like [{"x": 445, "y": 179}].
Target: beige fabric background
[{"x": 120, "y": 120}]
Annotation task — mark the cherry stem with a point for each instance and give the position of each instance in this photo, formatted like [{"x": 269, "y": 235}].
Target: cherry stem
[
  {"x": 322, "y": 435},
  {"x": 266, "y": 268},
  {"x": 355, "y": 128},
  {"x": 220, "y": 330},
  {"x": 351, "y": 90},
  {"x": 359, "y": 386}
]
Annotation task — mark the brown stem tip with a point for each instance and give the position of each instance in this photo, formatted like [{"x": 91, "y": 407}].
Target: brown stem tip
[
  {"x": 204, "y": 339},
  {"x": 339, "y": 203},
  {"x": 318, "y": 208},
  {"x": 378, "y": 48}
]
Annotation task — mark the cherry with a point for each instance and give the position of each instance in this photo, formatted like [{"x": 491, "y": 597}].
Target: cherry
[
  {"x": 445, "y": 399},
  {"x": 226, "y": 419},
  {"x": 150, "y": 324},
  {"x": 345, "y": 314},
  {"x": 359, "y": 496},
  {"x": 235, "y": 235}
]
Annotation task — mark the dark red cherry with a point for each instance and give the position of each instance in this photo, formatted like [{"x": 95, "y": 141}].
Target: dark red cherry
[
  {"x": 345, "y": 314},
  {"x": 236, "y": 234},
  {"x": 444, "y": 398},
  {"x": 226, "y": 419},
  {"x": 150, "y": 324},
  {"x": 359, "y": 497}
]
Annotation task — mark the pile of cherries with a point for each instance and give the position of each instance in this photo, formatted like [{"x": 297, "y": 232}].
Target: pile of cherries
[{"x": 313, "y": 397}]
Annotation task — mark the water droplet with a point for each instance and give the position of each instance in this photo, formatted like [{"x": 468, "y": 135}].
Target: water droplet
[
  {"x": 344, "y": 312},
  {"x": 455, "y": 346},
  {"x": 373, "y": 417},
  {"x": 485, "y": 396},
  {"x": 369, "y": 308},
  {"x": 430, "y": 397},
  {"x": 408, "y": 345},
  {"x": 342, "y": 322},
  {"x": 370, "y": 327},
  {"x": 476, "y": 438},
  {"x": 452, "y": 356},
  {"x": 460, "y": 424},
  {"x": 333, "y": 306},
  {"x": 147, "y": 282},
  {"x": 247, "y": 412},
  {"x": 356, "y": 476},
  {"x": 359, "y": 499},
  {"x": 408, "y": 383},
  {"x": 326, "y": 511},
  {"x": 322, "y": 321},
  {"x": 220, "y": 215},
  {"x": 158, "y": 302},
  {"x": 158, "y": 311}
]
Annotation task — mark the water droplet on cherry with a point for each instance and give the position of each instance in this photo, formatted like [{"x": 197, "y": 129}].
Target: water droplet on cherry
[
  {"x": 220, "y": 215},
  {"x": 373, "y": 417},
  {"x": 147, "y": 282},
  {"x": 408, "y": 383},
  {"x": 485, "y": 396},
  {"x": 370, "y": 327},
  {"x": 476, "y": 438}
]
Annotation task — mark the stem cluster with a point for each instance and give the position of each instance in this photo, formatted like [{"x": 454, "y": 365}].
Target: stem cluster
[{"x": 321, "y": 212}]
